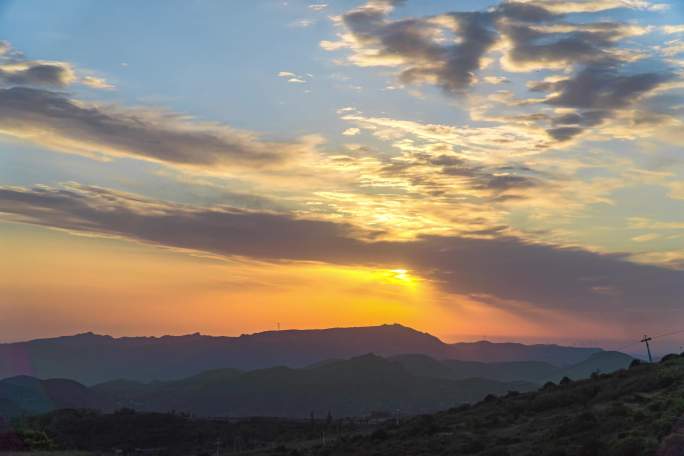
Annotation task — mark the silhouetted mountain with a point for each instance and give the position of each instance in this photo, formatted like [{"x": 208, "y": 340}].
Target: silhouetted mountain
[
  {"x": 528, "y": 371},
  {"x": 490, "y": 352},
  {"x": 356, "y": 386},
  {"x": 23, "y": 394},
  {"x": 602, "y": 362},
  {"x": 531, "y": 371},
  {"x": 91, "y": 358}
]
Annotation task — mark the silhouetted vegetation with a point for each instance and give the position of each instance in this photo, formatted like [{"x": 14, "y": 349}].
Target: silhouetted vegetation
[
  {"x": 631, "y": 412},
  {"x": 127, "y": 431},
  {"x": 627, "y": 413}
]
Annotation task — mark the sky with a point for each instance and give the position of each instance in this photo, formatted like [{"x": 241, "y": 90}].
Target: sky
[{"x": 509, "y": 170}]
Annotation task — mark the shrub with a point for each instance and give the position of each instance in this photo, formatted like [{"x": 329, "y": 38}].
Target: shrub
[
  {"x": 619, "y": 409},
  {"x": 379, "y": 434},
  {"x": 631, "y": 446},
  {"x": 669, "y": 357}
]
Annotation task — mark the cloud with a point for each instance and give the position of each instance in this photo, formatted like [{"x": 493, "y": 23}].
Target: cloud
[
  {"x": 351, "y": 132},
  {"x": 318, "y": 6},
  {"x": 540, "y": 275},
  {"x": 16, "y": 70},
  {"x": 415, "y": 44},
  {"x": 302, "y": 23},
  {"x": 58, "y": 122},
  {"x": 294, "y": 78},
  {"x": 96, "y": 83},
  {"x": 36, "y": 73},
  {"x": 594, "y": 6},
  {"x": 507, "y": 140},
  {"x": 676, "y": 191},
  {"x": 596, "y": 93},
  {"x": 496, "y": 80},
  {"x": 448, "y": 49},
  {"x": 671, "y": 29},
  {"x": 591, "y": 58},
  {"x": 558, "y": 44}
]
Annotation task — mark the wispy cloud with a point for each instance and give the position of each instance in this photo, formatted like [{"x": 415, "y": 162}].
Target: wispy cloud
[{"x": 56, "y": 121}]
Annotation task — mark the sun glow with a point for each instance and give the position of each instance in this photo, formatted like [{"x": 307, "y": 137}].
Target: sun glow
[
  {"x": 401, "y": 274},
  {"x": 401, "y": 277}
]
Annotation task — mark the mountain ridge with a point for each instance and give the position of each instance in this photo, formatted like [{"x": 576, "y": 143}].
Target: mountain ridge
[{"x": 91, "y": 358}]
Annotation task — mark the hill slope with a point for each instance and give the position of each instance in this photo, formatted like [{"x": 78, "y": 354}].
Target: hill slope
[
  {"x": 90, "y": 358},
  {"x": 631, "y": 412},
  {"x": 353, "y": 387}
]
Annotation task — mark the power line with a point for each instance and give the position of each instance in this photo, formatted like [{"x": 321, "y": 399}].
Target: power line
[
  {"x": 646, "y": 340},
  {"x": 669, "y": 334},
  {"x": 653, "y": 337}
]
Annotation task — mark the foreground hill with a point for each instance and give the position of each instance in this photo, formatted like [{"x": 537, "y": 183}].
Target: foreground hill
[
  {"x": 90, "y": 358},
  {"x": 353, "y": 387},
  {"x": 634, "y": 412}
]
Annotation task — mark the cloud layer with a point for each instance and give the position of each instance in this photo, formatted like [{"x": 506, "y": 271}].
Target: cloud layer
[{"x": 509, "y": 271}]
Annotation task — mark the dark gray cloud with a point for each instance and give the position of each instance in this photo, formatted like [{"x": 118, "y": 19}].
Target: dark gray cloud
[
  {"x": 450, "y": 66},
  {"x": 73, "y": 126},
  {"x": 530, "y": 46},
  {"x": 453, "y": 64},
  {"x": 597, "y": 92},
  {"x": 40, "y": 74},
  {"x": 601, "y": 87},
  {"x": 507, "y": 268},
  {"x": 492, "y": 180},
  {"x": 524, "y": 12},
  {"x": 449, "y": 49}
]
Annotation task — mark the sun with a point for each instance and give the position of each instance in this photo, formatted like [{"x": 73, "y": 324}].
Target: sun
[{"x": 401, "y": 274}]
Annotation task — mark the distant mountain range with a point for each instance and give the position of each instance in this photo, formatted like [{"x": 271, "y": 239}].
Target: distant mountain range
[
  {"x": 90, "y": 358},
  {"x": 526, "y": 371},
  {"x": 402, "y": 384},
  {"x": 353, "y": 387},
  {"x": 28, "y": 395}
]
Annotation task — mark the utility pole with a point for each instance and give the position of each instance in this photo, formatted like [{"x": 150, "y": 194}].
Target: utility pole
[{"x": 646, "y": 340}]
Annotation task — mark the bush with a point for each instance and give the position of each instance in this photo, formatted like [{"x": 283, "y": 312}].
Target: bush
[
  {"x": 619, "y": 409},
  {"x": 497, "y": 452},
  {"x": 379, "y": 434},
  {"x": 631, "y": 446},
  {"x": 669, "y": 357}
]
